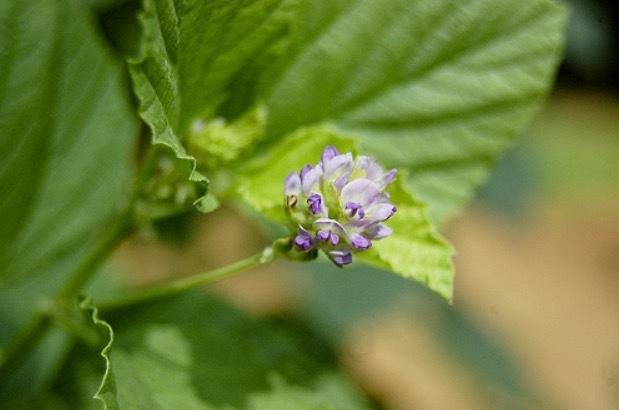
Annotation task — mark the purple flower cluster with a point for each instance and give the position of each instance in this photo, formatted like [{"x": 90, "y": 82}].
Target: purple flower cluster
[{"x": 339, "y": 205}]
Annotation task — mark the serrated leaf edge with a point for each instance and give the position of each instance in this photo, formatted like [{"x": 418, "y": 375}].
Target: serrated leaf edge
[
  {"x": 106, "y": 392},
  {"x": 206, "y": 202}
]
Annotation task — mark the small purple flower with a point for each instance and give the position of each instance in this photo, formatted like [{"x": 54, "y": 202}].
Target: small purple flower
[
  {"x": 339, "y": 205},
  {"x": 315, "y": 205}
]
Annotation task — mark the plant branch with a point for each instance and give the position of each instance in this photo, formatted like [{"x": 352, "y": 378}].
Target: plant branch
[
  {"x": 183, "y": 284},
  {"x": 110, "y": 239}
]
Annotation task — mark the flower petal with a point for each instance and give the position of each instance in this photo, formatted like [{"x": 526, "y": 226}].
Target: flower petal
[
  {"x": 311, "y": 180},
  {"x": 379, "y": 231},
  {"x": 329, "y": 153},
  {"x": 292, "y": 184},
  {"x": 382, "y": 211},
  {"x": 305, "y": 170},
  {"x": 360, "y": 241},
  {"x": 338, "y": 165},
  {"x": 371, "y": 168},
  {"x": 388, "y": 178},
  {"x": 354, "y": 210},
  {"x": 316, "y": 204},
  {"x": 361, "y": 191},
  {"x": 340, "y": 257},
  {"x": 328, "y": 224}
]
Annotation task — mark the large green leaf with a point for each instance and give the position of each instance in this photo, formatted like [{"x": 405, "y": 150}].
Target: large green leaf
[
  {"x": 436, "y": 87},
  {"x": 439, "y": 88},
  {"x": 66, "y": 135},
  {"x": 194, "y": 352}
]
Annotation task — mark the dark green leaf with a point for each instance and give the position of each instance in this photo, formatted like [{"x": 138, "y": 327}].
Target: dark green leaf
[{"x": 196, "y": 353}]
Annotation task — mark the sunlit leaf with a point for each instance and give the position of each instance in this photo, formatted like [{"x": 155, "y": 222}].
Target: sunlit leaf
[
  {"x": 436, "y": 87},
  {"x": 414, "y": 250}
]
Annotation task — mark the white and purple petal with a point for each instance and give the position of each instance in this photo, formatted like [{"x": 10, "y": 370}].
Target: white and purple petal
[
  {"x": 328, "y": 236},
  {"x": 292, "y": 184},
  {"x": 328, "y": 224},
  {"x": 338, "y": 165},
  {"x": 305, "y": 170},
  {"x": 360, "y": 242},
  {"x": 379, "y": 231},
  {"x": 388, "y": 178},
  {"x": 340, "y": 257},
  {"x": 329, "y": 153},
  {"x": 372, "y": 169},
  {"x": 361, "y": 191},
  {"x": 305, "y": 240},
  {"x": 316, "y": 204},
  {"x": 311, "y": 180},
  {"x": 354, "y": 210},
  {"x": 382, "y": 211}
]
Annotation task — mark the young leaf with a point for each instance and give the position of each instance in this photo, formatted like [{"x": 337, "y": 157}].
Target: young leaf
[
  {"x": 67, "y": 136},
  {"x": 413, "y": 250}
]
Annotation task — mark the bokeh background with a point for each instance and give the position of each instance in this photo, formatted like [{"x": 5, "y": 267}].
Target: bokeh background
[{"x": 535, "y": 318}]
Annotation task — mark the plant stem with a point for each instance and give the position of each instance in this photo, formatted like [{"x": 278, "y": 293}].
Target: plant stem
[
  {"x": 183, "y": 284},
  {"x": 22, "y": 345},
  {"x": 116, "y": 232}
]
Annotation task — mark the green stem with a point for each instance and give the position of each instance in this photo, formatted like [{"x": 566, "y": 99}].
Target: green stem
[
  {"x": 119, "y": 229},
  {"x": 183, "y": 284}
]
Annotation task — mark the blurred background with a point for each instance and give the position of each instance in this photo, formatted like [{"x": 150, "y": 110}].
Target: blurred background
[{"x": 535, "y": 319}]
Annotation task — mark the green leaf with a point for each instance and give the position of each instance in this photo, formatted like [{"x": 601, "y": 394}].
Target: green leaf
[
  {"x": 435, "y": 88},
  {"x": 438, "y": 88},
  {"x": 192, "y": 51},
  {"x": 194, "y": 352},
  {"x": 414, "y": 250},
  {"x": 67, "y": 135},
  {"x": 155, "y": 80},
  {"x": 333, "y": 392}
]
